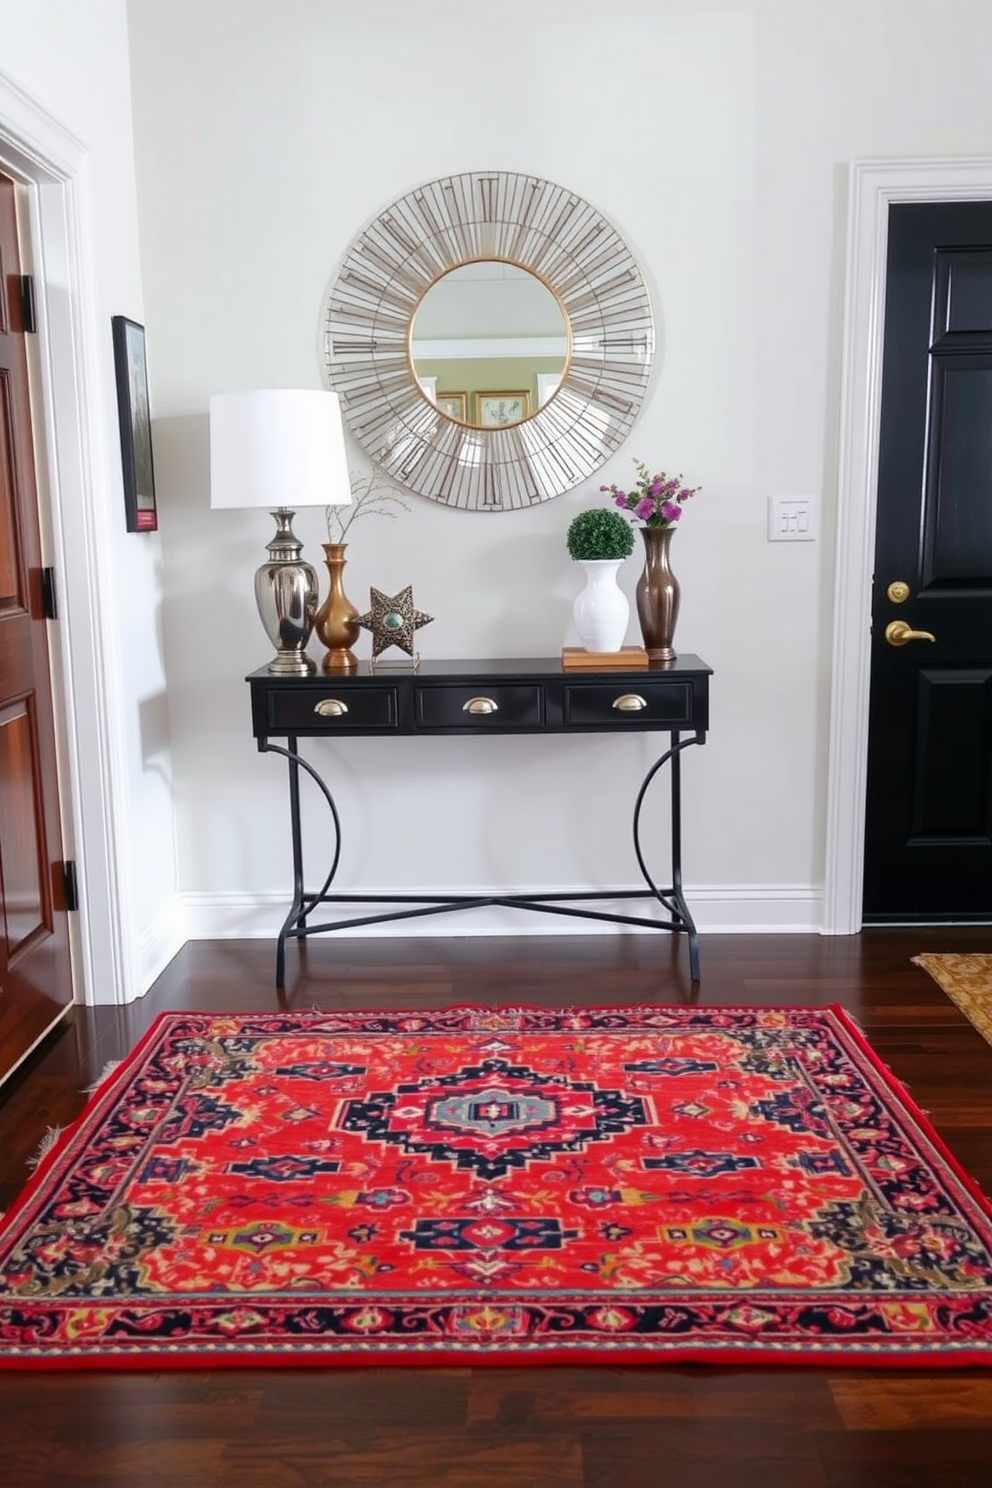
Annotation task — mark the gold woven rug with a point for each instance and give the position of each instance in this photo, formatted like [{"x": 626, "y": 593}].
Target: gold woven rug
[{"x": 967, "y": 981}]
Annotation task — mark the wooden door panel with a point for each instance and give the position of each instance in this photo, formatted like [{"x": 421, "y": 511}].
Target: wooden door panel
[
  {"x": 35, "y": 978},
  {"x": 964, "y": 289},
  {"x": 958, "y": 498},
  {"x": 10, "y": 569},
  {"x": 951, "y": 778},
  {"x": 26, "y": 904}
]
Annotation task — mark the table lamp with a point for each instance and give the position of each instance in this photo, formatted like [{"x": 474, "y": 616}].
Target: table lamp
[{"x": 269, "y": 448}]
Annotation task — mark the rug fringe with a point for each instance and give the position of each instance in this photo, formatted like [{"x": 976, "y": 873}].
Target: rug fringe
[
  {"x": 108, "y": 1069},
  {"x": 45, "y": 1146}
]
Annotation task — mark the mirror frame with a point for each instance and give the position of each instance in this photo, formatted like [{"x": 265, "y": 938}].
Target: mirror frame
[{"x": 549, "y": 232}]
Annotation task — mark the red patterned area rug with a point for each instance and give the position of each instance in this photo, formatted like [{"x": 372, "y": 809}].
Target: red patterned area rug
[{"x": 622, "y": 1185}]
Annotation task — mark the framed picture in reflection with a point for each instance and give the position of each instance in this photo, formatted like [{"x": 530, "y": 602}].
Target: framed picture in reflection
[
  {"x": 453, "y": 404},
  {"x": 495, "y": 410}
]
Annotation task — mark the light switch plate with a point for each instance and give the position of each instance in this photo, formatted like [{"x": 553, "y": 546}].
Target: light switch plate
[{"x": 791, "y": 519}]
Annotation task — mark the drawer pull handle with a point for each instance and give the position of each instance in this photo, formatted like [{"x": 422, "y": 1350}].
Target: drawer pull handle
[
  {"x": 480, "y": 705},
  {"x": 630, "y": 702},
  {"x": 331, "y": 708}
]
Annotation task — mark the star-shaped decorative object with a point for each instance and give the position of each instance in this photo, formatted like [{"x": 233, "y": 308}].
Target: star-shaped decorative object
[{"x": 392, "y": 619}]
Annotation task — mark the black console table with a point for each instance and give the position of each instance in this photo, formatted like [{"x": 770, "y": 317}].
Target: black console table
[{"x": 483, "y": 697}]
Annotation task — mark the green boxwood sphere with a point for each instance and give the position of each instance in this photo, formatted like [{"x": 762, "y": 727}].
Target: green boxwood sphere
[{"x": 600, "y": 533}]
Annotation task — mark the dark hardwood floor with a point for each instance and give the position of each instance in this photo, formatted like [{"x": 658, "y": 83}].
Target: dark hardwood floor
[{"x": 788, "y": 1427}]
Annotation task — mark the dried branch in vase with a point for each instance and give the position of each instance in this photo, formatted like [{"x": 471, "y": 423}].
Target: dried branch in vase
[{"x": 371, "y": 495}]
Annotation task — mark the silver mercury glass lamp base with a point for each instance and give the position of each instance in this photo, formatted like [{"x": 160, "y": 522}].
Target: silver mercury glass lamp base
[{"x": 286, "y": 593}]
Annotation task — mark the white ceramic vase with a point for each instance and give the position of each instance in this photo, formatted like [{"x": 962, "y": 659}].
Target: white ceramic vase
[{"x": 602, "y": 610}]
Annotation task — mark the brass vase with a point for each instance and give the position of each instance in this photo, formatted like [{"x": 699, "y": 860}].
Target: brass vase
[
  {"x": 336, "y": 625},
  {"x": 658, "y": 595}
]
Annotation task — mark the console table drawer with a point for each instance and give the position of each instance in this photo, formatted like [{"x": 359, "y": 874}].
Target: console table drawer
[
  {"x": 336, "y": 709},
  {"x": 627, "y": 702},
  {"x": 480, "y": 707}
]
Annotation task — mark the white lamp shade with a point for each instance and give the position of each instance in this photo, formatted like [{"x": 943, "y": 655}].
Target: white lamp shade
[{"x": 278, "y": 448}]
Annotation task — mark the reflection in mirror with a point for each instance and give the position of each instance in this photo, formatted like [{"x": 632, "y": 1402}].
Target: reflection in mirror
[{"x": 489, "y": 344}]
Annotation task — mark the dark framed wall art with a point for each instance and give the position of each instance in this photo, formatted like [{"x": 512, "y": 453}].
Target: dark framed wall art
[{"x": 135, "y": 422}]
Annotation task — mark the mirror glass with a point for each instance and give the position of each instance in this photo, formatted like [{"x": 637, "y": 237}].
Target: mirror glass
[{"x": 489, "y": 344}]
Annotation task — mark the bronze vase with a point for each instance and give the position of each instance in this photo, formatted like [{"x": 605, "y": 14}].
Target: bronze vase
[
  {"x": 336, "y": 625},
  {"x": 658, "y": 595}
]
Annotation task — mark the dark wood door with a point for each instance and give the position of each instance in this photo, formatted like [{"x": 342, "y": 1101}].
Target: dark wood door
[
  {"x": 35, "y": 979},
  {"x": 928, "y": 835}
]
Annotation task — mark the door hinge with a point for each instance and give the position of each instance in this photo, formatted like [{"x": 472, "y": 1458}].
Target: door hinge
[
  {"x": 29, "y": 319},
  {"x": 71, "y": 884},
  {"x": 49, "y": 602}
]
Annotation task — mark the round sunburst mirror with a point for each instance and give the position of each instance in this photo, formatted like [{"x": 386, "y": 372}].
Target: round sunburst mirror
[{"x": 490, "y": 338}]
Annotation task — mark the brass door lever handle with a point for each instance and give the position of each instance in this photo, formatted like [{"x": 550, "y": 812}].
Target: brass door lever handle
[{"x": 898, "y": 633}]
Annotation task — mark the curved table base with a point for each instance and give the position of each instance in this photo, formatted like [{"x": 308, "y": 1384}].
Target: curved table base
[{"x": 671, "y": 899}]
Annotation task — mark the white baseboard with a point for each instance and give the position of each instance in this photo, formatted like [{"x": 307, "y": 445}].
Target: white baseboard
[
  {"x": 153, "y": 949},
  {"x": 160, "y": 940},
  {"x": 769, "y": 909}
]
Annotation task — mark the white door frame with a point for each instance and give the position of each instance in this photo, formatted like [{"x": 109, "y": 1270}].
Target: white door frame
[
  {"x": 874, "y": 186},
  {"x": 36, "y": 149}
]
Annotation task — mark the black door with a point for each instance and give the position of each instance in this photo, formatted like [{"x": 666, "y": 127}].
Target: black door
[{"x": 928, "y": 831}]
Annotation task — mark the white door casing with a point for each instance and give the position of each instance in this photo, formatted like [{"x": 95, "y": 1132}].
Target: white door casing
[{"x": 36, "y": 149}]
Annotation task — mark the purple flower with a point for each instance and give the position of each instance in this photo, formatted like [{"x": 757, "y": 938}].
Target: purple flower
[{"x": 655, "y": 500}]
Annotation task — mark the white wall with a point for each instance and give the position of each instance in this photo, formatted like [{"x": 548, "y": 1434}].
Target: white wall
[
  {"x": 716, "y": 136},
  {"x": 65, "y": 98}
]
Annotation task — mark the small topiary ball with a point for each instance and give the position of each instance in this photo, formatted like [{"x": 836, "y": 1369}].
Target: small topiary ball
[{"x": 599, "y": 533}]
